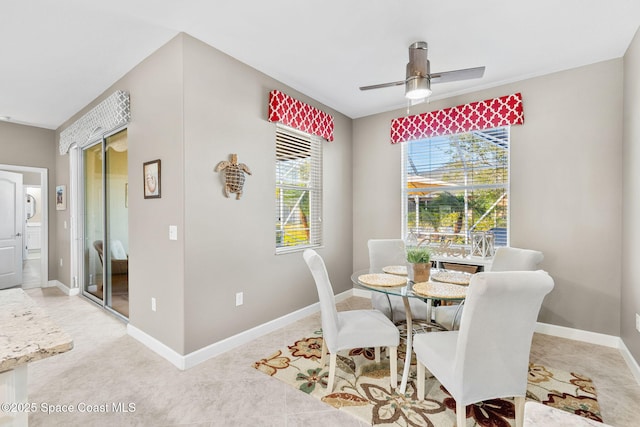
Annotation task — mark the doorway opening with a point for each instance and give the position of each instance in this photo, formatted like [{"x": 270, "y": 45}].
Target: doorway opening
[
  {"x": 32, "y": 236},
  {"x": 34, "y": 227}
]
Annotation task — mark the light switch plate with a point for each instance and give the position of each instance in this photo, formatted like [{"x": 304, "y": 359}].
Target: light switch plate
[{"x": 173, "y": 232}]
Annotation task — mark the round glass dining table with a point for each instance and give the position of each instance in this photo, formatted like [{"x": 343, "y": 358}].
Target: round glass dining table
[{"x": 390, "y": 284}]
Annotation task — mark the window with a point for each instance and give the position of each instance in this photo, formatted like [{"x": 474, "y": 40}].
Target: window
[
  {"x": 456, "y": 185},
  {"x": 298, "y": 190}
]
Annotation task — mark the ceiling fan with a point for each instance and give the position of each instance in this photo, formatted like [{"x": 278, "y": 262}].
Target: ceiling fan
[{"x": 417, "y": 84}]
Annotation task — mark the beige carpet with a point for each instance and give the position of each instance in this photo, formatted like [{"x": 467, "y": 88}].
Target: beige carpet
[{"x": 362, "y": 389}]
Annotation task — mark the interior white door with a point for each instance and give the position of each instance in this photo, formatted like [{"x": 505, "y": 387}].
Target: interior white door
[{"x": 11, "y": 226}]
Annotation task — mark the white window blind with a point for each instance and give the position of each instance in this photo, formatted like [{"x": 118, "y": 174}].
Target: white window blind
[
  {"x": 455, "y": 185},
  {"x": 298, "y": 190}
]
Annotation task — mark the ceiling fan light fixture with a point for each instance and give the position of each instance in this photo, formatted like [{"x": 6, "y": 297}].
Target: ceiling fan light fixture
[{"x": 417, "y": 87}]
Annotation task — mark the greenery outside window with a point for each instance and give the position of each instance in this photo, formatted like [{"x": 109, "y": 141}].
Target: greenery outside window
[
  {"x": 455, "y": 185},
  {"x": 298, "y": 190}
]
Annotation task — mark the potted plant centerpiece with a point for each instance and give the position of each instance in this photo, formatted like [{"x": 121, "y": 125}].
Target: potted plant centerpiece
[{"x": 419, "y": 259}]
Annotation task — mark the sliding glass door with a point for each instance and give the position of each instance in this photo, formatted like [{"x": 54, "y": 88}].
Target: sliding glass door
[
  {"x": 93, "y": 177},
  {"x": 117, "y": 222},
  {"x": 106, "y": 226}
]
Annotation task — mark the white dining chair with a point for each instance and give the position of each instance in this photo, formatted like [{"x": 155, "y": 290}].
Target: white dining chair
[
  {"x": 489, "y": 356},
  {"x": 383, "y": 253},
  {"x": 505, "y": 259},
  {"x": 344, "y": 330}
]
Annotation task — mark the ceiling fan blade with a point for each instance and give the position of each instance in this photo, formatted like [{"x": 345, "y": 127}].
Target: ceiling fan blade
[
  {"x": 453, "y": 76},
  {"x": 381, "y": 85}
]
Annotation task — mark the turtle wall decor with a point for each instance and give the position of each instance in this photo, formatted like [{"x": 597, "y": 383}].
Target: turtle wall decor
[{"x": 234, "y": 175}]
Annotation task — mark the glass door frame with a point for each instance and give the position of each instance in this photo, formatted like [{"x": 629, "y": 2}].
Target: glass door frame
[{"x": 81, "y": 244}]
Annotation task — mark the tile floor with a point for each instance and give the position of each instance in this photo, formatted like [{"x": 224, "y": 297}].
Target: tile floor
[
  {"x": 108, "y": 366},
  {"x": 31, "y": 273}
]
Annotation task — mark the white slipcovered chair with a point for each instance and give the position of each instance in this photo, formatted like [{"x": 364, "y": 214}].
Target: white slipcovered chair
[
  {"x": 489, "y": 356},
  {"x": 345, "y": 330},
  {"x": 516, "y": 259},
  {"x": 382, "y": 253},
  {"x": 505, "y": 259}
]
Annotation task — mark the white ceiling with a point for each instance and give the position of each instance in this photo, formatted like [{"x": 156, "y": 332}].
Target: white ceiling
[{"x": 57, "y": 56}]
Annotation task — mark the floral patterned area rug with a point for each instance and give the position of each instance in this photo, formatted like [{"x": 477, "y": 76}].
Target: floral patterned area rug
[{"x": 362, "y": 389}]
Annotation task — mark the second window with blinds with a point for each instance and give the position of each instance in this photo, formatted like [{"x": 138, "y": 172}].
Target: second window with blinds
[
  {"x": 298, "y": 190},
  {"x": 456, "y": 185}
]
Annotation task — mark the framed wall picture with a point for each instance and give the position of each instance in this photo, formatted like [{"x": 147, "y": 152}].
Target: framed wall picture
[
  {"x": 151, "y": 179},
  {"x": 61, "y": 197}
]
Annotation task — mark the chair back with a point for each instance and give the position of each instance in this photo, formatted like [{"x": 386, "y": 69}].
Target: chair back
[
  {"x": 384, "y": 252},
  {"x": 494, "y": 340},
  {"x": 98, "y": 246},
  {"x": 328, "y": 311},
  {"x": 515, "y": 259}
]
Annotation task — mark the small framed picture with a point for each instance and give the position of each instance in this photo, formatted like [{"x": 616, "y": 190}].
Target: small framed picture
[
  {"x": 61, "y": 197},
  {"x": 152, "y": 179}
]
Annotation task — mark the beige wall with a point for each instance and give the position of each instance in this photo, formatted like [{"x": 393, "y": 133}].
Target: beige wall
[
  {"x": 27, "y": 146},
  {"x": 156, "y": 266},
  {"x": 191, "y": 107},
  {"x": 57, "y": 219},
  {"x": 34, "y": 147},
  {"x": 31, "y": 178},
  {"x": 230, "y": 244},
  {"x": 565, "y": 187},
  {"x": 631, "y": 208}
]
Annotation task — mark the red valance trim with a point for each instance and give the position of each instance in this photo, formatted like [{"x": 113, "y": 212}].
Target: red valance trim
[
  {"x": 298, "y": 115},
  {"x": 491, "y": 113}
]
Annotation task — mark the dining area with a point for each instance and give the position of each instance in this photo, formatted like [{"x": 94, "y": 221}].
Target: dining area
[{"x": 471, "y": 333}]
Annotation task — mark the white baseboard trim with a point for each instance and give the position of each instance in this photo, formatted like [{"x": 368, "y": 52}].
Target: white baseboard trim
[
  {"x": 361, "y": 293},
  {"x": 578, "y": 335},
  {"x": 156, "y": 346},
  {"x": 64, "y": 288},
  {"x": 192, "y": 359},
  {"x": 54, "y": 283},
  {"x": 215, "y": 349}
]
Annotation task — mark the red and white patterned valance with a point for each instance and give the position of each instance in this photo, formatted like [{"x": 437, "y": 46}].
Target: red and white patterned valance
[
  {"x": 491, "y": 113},
  {"x": 298, "y": 115}
]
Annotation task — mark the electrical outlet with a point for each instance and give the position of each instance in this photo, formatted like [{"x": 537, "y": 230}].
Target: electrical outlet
[
  {"x": 637, "y": 322},
  {"x": 239, "y": 298},
  {"x": 60, "y": 262},
  {"x": 153, "y": 304}
]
